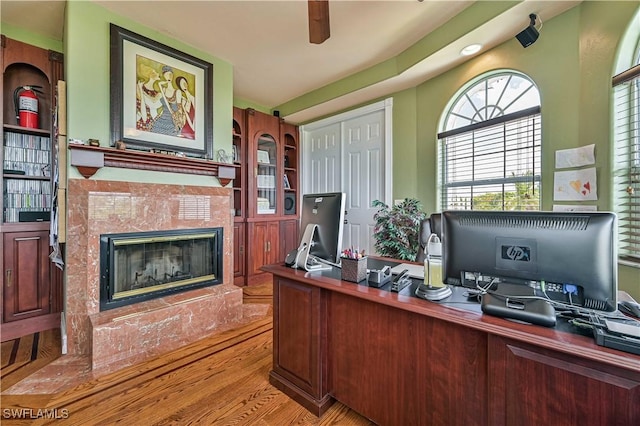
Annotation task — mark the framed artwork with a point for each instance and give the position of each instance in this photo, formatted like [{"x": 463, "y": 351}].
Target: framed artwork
[
  {"x": 161, "y": 98},
  {"x": 263, "y": 157},
  {"x": 287, "y": 185},
  {"x": 236, "y": 153}
]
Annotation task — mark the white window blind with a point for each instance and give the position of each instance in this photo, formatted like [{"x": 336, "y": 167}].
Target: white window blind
[
  {"x": 492, "y": 165},
  {"x": 626, "y": 93}
]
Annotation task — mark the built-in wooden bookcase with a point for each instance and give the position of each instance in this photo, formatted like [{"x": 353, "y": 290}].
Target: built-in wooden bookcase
[
  {"x": 239, "y": 199},
  {"x": 26, "y": 151},
  {"x": 289, "y": 136},
  {"x": 265, "y": 197},
  {"x": 239, "y": 158},
  {"x": 31, "y": 287},
  {"x": 264, "y": 160}
]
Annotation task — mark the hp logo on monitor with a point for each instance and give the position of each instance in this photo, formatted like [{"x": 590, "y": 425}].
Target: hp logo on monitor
[{"x": 518, "y": 253}]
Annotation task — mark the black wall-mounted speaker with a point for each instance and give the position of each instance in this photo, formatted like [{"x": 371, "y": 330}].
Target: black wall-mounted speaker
[
  {"x": 290, "y": 203},
  {"x": 528, "y": 36}
]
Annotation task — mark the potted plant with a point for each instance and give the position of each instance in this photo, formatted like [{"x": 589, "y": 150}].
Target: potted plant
[{"x": 397, "y": 228}]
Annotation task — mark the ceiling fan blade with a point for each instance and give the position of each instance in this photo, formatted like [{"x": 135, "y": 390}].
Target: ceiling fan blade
[{"x": 318, "y": 21}]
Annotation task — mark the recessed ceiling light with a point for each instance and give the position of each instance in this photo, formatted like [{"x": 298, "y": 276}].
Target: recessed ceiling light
[{"x": 471, "y": 49}]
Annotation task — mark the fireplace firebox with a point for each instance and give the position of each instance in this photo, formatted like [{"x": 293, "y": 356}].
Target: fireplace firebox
[{"x": 145, "y": 265}]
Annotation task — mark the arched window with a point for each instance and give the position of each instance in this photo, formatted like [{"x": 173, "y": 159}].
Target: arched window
[
  {"x": 489, "y": 147},
  {"x": 626, "y": 161}
]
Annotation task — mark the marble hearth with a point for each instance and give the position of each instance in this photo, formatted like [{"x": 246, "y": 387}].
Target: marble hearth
[{"x": 129, "y": 334}]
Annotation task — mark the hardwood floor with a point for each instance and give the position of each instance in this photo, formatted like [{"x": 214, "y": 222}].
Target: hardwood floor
[
  {"x": 220, "y": 380},
  {"x": 26, "y": 355}
]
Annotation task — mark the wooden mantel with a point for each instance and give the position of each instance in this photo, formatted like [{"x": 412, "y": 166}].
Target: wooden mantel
[{"x": 89, "y": 159}]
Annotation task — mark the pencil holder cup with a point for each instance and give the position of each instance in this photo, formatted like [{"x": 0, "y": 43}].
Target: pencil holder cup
[{"x": 354, "y": 270}]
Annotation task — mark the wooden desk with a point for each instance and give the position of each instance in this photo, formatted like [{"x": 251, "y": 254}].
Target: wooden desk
[{"x": 400, "y": 360}]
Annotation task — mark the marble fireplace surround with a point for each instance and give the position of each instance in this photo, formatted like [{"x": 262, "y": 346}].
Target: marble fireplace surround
[{"x": 123, "y": 336}]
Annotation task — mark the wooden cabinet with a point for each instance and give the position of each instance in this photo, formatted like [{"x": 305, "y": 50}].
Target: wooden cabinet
[
  {"x": 401, "y": 360},
  {"x": 298, "y": 356},
  {"x": 288, "y": 237},
  {"x": 31, "y": 286},
  {"x": 557, "y": 388},
  {"x": 264, "y": 241},
  {"x": 238, "y": 253},
  {"x": 265, "y": 195},
  {"x": 26, "y": 275},
  {"x": 434, "y": 367}
]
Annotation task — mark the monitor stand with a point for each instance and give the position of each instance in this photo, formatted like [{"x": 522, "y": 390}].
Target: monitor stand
[
  {"x": 434, "y": 294},
  {"x": 304, "y": 260}
]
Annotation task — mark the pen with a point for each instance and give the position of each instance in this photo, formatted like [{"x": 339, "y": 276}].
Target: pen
[{"x": 351, "y": 253}]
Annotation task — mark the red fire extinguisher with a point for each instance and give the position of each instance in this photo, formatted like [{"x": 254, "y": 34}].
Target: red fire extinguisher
[{"x": 26, "y": 102}]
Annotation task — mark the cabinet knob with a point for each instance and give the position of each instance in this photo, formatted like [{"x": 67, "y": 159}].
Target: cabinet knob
[{"x": 9, "y": 278}]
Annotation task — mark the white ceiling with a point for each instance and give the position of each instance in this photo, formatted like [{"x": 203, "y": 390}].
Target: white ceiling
[{"x": 267, "y": 41}]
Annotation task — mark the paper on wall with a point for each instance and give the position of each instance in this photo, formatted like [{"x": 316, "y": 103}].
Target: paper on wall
[
  {"x": 574, "y": 208},
  {"x": 575, "y": 157},
  {"x": 575, "y": 185}
]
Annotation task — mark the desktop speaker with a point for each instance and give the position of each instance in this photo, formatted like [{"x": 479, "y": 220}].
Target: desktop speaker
[
  {"x": 34, "y": 216},
  {"x": 290, "y": 203}
]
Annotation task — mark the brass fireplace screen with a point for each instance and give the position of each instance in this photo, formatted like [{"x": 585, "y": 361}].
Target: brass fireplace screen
[{"x": 140, "y": 266}]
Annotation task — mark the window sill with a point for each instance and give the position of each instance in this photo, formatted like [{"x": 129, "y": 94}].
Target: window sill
[{"x": 630, "y": 262}]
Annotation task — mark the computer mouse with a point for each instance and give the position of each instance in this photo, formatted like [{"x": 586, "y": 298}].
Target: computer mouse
[{"x": 629, "y": 308}]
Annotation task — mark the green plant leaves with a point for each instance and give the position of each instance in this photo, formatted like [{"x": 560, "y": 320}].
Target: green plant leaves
[{"x": 397, "y": 228}]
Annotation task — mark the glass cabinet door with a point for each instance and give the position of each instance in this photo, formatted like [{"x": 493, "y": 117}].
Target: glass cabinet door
[{"x": 266, "y": 184}]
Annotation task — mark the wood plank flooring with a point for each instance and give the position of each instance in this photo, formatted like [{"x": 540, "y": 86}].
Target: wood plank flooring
[
  {"x": 24, "y": 356},
  {"x": 220, "y": 380}
]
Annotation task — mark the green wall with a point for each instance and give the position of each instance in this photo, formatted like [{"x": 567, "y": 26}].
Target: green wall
[
  {"x": 552, "y": 63},
  {"x": 88, "y": 95},
  {"x": 572, "y": 64},
  {"x": 245, "y": 103},
  {"x": 405, "y": 145},
  {"x": 24, "y": 36}
]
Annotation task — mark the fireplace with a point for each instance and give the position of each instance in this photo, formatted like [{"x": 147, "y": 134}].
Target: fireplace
[
  {"x": 115, "y": 338},
  {"x": 139, "y": 266}
]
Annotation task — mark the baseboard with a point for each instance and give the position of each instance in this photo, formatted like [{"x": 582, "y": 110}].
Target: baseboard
[{"x": 13, "y": 330}]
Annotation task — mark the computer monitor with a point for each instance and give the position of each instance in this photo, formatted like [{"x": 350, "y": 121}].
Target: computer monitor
[
  {"x": 569, "y": 258},
  {"x": 321, "y": 226}
]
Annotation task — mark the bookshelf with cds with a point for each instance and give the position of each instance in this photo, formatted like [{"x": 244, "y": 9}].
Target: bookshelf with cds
[{"x": 26, "y": 175}]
